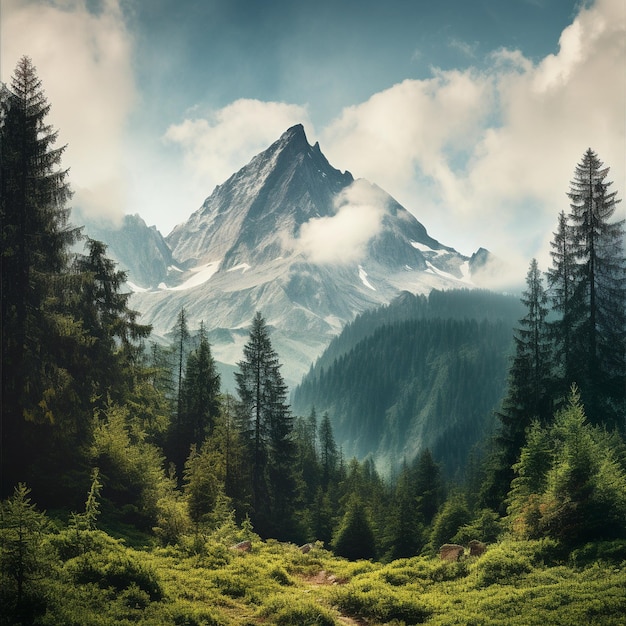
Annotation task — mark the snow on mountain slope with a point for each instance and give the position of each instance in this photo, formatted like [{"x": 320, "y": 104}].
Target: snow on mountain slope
[{"x": 300, "y": 241}]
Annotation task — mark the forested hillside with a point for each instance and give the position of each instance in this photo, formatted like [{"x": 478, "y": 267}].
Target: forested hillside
[
  {"x": 423, "y": 372},
  {"x": 126, "y": 442}
]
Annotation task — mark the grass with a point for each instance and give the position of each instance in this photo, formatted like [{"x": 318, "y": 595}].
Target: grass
[{"x": 514, "y": 583}]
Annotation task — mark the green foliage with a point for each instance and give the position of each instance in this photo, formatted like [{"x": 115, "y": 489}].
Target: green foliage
[
  {"x": 355, "y": 538},
  {"x": 131, "y": 468},
  {"x": 24, "y": 557},
  {"x": 302, "y": 611},
  {"x": 451, "y": 518},
  {"x": 570, "y": 485},
  {"x": 502, "y": 564},
  {"x": 118, "y": 569},
  {"x": 430, "y": 367},
  {"x": 375, "y": 600},
  {"x": 486, "y": 527}
]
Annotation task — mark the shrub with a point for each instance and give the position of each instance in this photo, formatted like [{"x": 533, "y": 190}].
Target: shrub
[
  {"x": 378, "y": 601},
  {"x": 287, "y": 611},
  {"x": 117, "y": 570},
  {"x": 502, "y": 564},
  {"x": 611, "y": 551}
]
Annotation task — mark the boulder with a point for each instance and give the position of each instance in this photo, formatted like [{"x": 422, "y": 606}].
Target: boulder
[
  {"x": 476, "y": 548},
  {"x": 306, "y": 548},
  {"x": 451, "y": 552},
  {"x": 243, "y": 546}
]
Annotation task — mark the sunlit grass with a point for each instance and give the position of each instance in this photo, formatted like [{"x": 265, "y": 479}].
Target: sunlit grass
[{"x": 513, "y": 583}]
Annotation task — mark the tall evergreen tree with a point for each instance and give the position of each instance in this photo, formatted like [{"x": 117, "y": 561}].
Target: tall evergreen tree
[
  {"x": 38, "y": 335},
  {"x": 113, "y": 327},
  {"x": 181, "y": 341},
  {"x": 266, "y": 427},
  {"x": 200, "y": 394},
  {"x": 599, "y": 298},
  {"x": 328, "y": 450},
  {"x": 561, "y": 291},
  {"x": 529, "y": 392}
]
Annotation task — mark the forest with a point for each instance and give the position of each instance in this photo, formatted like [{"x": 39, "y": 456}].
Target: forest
[{"x": 134, "y": 491}]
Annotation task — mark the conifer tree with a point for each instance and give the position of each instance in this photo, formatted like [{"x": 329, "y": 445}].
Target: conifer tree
[
  {"x": 35, "y": 240},
  {"x": 266, "y": 427},
  {"x": 328, "y": 450},
  {"x": 23, "y": 558},
  {"x": 181, "y": 339},
  {"x": 560, "y": 278},
  {"x": 114, "y": 331},
  {"x": 199, "y": 407},
  {"x": 599, "y": 298},
  {"x": 529, "y": 392}
]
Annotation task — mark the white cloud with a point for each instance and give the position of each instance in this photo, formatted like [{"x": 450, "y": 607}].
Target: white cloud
[
  {"x": 84, "y": 62},
  {"x": 490, "y": 153},
  {"x": 343, "y": 237},
  {"x": 219, "y": 144}
]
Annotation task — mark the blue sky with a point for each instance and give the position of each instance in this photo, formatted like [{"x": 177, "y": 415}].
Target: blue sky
[{"x": 473, "y": 114}]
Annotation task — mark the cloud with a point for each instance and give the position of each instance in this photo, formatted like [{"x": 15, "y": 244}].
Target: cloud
[
  {"x": 343, "y": 237},
  {"x": 218, "y": 144},
  {"x": 489, "y": 153},
  {"x": 83, "y": 59}
]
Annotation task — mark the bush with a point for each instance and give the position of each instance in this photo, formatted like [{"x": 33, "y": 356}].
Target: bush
[
  {"x": 378, "y": 601},
  {"x": 117, "y": 570},
  {"x": 502, "y": 564},
  {"x": 302, "y": 611},
  {"x": 610, "y": 551}
]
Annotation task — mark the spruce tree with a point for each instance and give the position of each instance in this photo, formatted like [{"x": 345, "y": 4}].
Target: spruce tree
[
  {"x": 39, "y": 336},
  {"x": 599, "y": 299},
  {"x": 114, "y": 331},
  {"x": 266, "y": 427},
  {"x": 529, "y": 392},
  {"x": 200, "y": 396},
  {"x": 560, "y": 278},
  {"x": 328, "y": 450}
]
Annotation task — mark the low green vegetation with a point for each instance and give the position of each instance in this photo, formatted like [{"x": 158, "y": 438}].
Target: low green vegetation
[{"x": 93, "y": 579}]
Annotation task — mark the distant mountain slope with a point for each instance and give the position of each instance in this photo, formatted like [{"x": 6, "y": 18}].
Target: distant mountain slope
[
  {"x": 419, "y": 373},
  {"x": 293, "y": 237},
  {"x": 139, "y": 249}
]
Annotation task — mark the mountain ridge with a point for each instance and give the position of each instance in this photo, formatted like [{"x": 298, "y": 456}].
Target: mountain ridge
[{"x": 292, "y": 236}]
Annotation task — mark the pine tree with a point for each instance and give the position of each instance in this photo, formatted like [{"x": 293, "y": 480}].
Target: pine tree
[
  {"x": 39, "y": 337},
  {"x": 201, "y": 389},
  {"x": 181, "y": 339},
  {"x": 529, "y": 391},
  {"x": 23, "y": 559},
  {"x": 599, "y": 297},
  {"x": 112, "y": 326},
  {"x": 561, "y": 291},
  {"x": 266, "y": 427},
  {"x": 328, "y": 450}
]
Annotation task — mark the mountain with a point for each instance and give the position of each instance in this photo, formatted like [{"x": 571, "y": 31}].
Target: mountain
[
  {"x": 422, "y": 372},
  {"x": 293, "y": 237},
  {"x": 138, "y": 249}
]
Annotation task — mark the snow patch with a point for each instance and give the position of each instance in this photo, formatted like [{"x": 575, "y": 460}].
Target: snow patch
[
  {"x": 173, "y": 268},
  {"x": 201, "y": 274},
  {"x": 363, "y": 277},
  {"x": 421, "y": 247},
  {"x": 242, "y": 266},
  {"x": 437, "y": 272},
  {"x": 135, "y": 288}
]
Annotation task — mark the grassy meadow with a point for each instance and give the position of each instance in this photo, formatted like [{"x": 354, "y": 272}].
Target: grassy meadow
[{"x": 96, "y": 580}]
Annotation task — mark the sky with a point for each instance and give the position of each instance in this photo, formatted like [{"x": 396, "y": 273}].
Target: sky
[{"x": 472, "y": 114}]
